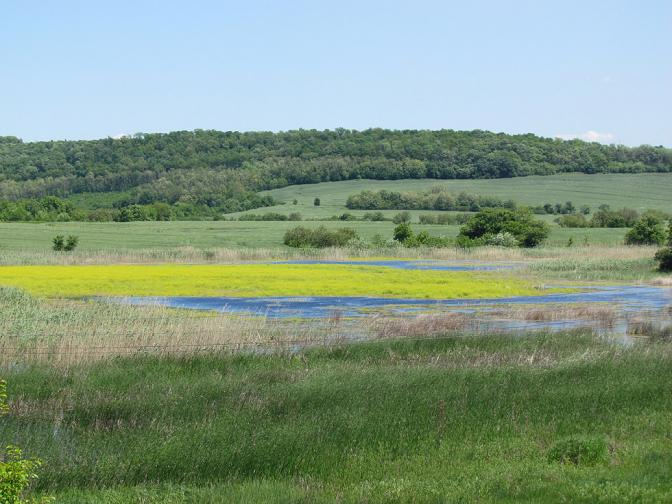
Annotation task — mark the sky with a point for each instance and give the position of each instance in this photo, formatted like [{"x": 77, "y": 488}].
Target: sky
[{"x": 597, "y": 70}]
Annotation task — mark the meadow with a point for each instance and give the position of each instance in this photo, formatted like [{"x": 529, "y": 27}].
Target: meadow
[
  {"x": 149, "y": 404},
  {"x": 112, "y": 236},
  {"x": 457, "y": 418},
  {"x": 640, "y": 191}
]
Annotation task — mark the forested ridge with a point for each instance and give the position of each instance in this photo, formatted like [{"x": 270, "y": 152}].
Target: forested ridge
[{"x": 223, "y": 170}]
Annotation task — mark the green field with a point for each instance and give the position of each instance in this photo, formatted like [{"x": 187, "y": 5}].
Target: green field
[
  {"x": 639, "y": 191},
  {"x": 213, "y": 234},
  {"x": 455, "y": 419}
]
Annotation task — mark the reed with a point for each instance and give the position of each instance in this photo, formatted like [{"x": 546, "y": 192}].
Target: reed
[
  {"x": 193, "y": 255},
  {"x": 461, "y": 418}
]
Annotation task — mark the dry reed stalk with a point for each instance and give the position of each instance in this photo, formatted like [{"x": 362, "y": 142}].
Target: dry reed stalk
[
  {"x": 603, "y": 314},
  {"x": 662, "y": 281},
  {"x": 223, "y": 255},
  {"x": 420, "y": 325}
]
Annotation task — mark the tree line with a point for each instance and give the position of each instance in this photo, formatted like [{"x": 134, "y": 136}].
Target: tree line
[
  {"x": 222, "y": 169},
  {"x": 437, "y": 198}
]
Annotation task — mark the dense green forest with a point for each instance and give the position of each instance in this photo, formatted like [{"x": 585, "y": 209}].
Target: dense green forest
[{"x": 211, "y": 172}]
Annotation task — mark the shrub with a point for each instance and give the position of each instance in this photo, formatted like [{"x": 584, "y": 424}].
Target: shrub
[
  {"x": 374, "y": 216},
  {"x": 58, "y": 243},
  {"x": 321, "y": 237},
  {"x": 608, "y": 218},
  {"x": 402, "y": 217},
  {"x": 131, "y": 213},
  {"x": 578, "y": 451},
  {"x": 61, "y": 244},
  {"x": 294, "y": 216},
  {"x": 664, "y": 258},
  {"x": 316, "y": 202},
  {"x": 16, "y": 473},
  {"x": 648, "y": 230},
  {"x": 573, "y": 221},
  {"x": 520, "y": 223},
  {"x": 402, "y": 232}
]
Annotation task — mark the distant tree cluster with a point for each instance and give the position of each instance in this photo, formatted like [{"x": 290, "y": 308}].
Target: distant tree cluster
[
  {"x": 604, "y": 217},
  {"x": 54, "y": 209},
  {"x": 437, "y": 198},
  {"x": 561, "y": 209},
  {"x": 270, "y": 216},
  {"x": 223, "y": 170}
]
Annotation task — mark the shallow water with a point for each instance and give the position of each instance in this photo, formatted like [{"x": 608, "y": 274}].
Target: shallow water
[
  {"x": 627, "y": 301},
  {"x": 628, "y": 298},
  {"x": 410, "y": 264}
]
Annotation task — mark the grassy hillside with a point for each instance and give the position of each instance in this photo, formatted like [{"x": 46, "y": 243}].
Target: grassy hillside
[
  {"x": 237, "y": 235},
  {"x": 204, "y": 173},
  {"x": 639, "y": 191},
  {"x": 458, "y": 419}
]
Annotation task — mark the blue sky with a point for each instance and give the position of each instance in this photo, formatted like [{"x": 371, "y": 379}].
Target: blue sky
[{"x": 600, "y": 70}]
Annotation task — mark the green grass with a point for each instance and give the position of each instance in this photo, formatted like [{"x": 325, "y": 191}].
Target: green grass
[
  {"x": 638, "y": 191},
  {"x": 220, "y": 234},
  {"x": 458, "y": 419}
]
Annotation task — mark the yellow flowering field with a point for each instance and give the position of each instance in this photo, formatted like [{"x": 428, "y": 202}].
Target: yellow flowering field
[{"x": 260, "y": 280}]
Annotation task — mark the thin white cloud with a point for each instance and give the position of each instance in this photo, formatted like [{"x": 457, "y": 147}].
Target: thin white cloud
[
  {"x": 119, "y": 136},
  {"x": 589, "y": 136}
]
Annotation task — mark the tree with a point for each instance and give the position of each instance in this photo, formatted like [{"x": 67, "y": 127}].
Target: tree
[
  {"x": 648, "y": 230},
  {"x": 71, "y": 243},
  {"x": 58, "y": 243},
  {"x": 664, "y": 256},
  {"x": 520, "y": 223},
  {"x": 402, "y": 232},
  {"x": 61, "y": 244},
  {"x": 316, "y": 202}
]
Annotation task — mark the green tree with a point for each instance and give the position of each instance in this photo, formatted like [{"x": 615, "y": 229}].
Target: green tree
[
  {"x": 648, "y": 230},
  {"x": 402, "y": 232},
  {"x": 58, "y": 243},
  {"x": 529, "y": 231},
  {"x": 316, "y": 202}
]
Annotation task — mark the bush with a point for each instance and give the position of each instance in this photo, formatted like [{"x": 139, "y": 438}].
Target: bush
[
  {"x": 402, "y": 232},
  {"x": 58, "y": 243},
  {"x": 402, "y": 217},
  {"x": 579, "y": 451},
  {"x": 664, "y": 258},
  {"x": 316, "y": 202},
  {"x": 648, "y": 230},
  {"x": 528, "y": 231},
  {"x": 71, "y": 243},
  {"x": 374, "y": 216},
  {"x": 573, "y": 221},
  {"x": 61, "y": 244},
  {"x": 301, "y": 237},
  {"x": 16, "y": 473},
  {"x": 605, "y": 217}
]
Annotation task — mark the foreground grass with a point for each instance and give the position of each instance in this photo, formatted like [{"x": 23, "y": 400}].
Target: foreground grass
[
  {"x": 458, "y": 419},
  {"x": 260, "y": 280}
]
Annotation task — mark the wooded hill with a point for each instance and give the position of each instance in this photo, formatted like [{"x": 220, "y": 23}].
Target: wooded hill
[{"x": 223, "y": 170}]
